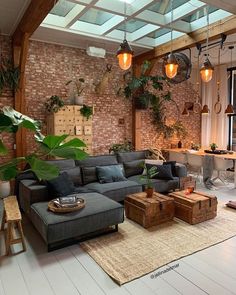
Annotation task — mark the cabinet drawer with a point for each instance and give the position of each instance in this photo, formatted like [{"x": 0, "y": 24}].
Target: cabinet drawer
[
  {"x": 70, "y": 129},
  {"x": 87, "y": 139},
  {"x": 78, "y": 120},
  {"x": 70, "y": 120},
  {"x": 79, "y": 130},
  {"x": 87, "y": 129},
  {"x": 59, "y": 120},
  {"x": 60, "y": 129}
]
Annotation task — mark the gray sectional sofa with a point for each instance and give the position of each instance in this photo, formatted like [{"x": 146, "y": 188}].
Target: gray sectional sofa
[{"x": 103, "y": 200}]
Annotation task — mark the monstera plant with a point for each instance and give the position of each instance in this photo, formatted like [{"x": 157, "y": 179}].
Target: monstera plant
[{"x": 10, "y": 122}]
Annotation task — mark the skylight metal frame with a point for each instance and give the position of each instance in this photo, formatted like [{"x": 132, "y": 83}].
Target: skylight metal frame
[{"x": 137, "y": 10}]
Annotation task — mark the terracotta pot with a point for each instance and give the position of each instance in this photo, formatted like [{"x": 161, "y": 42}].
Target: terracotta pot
[
  {"x": 5, "y": 189},
  {"x": 149, "y": 192}
]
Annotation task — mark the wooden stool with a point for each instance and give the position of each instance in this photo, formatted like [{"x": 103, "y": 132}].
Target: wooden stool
[{"x": 12, "y": 217}]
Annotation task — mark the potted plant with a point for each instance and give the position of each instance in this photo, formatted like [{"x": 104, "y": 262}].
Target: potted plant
[
  {"x": 86, "y": 111},
  {"x": 51, "y": 145},
  {"x": 121, "y": 147},
  {"x": 213, "y": 146},
  {"x": 9, "y": 75},
  {"x": 148, "y": 174},
  {"x": 79, "y": 86},
  {"x": 54, "y": 104}
]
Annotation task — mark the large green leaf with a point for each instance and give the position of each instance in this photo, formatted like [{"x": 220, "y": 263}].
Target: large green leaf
[
  {"x": 69, "y": 153},
  {"x": 54, "y": 141},
  {"x": 75, "y": 142},
  {"x": 42, "y": 169},
  {"x": 19, "y": 119},
  {"x": 6, "y": 124},
  {"x": 9, "y": 170},
  {"x": 3, "y": 149}
]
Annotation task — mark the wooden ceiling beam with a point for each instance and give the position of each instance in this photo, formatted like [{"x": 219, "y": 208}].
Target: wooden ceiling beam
[
  {"x": 32, "y": 18},
  {"x": 225, "y": 26}
]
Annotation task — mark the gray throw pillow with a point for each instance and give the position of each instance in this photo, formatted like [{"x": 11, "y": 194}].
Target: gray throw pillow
[
  {"x": 75, "y": 175},
  {"x": 164, "y": 171},
  {"x": 133, "y": 167},
  {"x": 111, "y": 173},
  {"x": 61, "y": 186},
  {"x": 89, "y": 174}
]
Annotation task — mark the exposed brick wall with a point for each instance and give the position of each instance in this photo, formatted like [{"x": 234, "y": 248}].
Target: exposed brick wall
[
  {"x": 48, "y": 69},
  {"x": 6, "y": 98},
  {"x": 181, "y": 93},
  {"x": 50, "y": 66}
]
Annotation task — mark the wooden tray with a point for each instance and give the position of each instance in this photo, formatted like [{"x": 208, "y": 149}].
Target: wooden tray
[{"x": 52, "y": 207}]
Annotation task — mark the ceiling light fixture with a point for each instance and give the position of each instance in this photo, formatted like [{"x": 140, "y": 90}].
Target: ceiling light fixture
[
  {"x": 205, "y": 110},
  {"x": 125, "y": 52},
  {"x": 230, "y": 109},
  {"x": 207, "y": 69},
  {"x": 171, "y": 66}
]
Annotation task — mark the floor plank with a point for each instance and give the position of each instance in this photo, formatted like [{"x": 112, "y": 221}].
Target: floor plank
[
  {"x": 77, "y": 273},
  {"x": 104, "y": 281}
]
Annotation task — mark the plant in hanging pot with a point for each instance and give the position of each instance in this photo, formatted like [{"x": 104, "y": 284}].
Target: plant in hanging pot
[
  {"x": 86, "y": 111},
  {"x": 79, "y": 88},
  {"x": 54, "y": 104},
  {"x": 148, "y": 174}
]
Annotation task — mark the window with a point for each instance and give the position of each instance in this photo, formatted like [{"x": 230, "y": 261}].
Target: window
[{"x": 232, "y": 100}]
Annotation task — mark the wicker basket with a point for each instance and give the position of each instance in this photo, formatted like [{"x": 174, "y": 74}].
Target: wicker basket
[{"x": 52, "y": 207}]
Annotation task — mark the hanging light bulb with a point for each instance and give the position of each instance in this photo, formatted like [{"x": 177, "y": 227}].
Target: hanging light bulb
[
  {"x": 125, "y": 52},
  {"x": 207, "y": 69},
  {"x": 171, "y": 66}
]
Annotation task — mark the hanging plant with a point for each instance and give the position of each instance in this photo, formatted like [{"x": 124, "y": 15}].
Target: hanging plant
[
  {"x": 9, "y": 75},
  {"x": 86, "y": 111},
  {"x": 147, "y": 92}
]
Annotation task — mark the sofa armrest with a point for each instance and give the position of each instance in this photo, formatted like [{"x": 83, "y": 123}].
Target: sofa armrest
[
  {"x": 30, "y": 191},
  {"x": 180, "y": 170}
]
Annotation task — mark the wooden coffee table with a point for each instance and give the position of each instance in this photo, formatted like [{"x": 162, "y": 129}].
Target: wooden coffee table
[
  {"x": 149, "y": 211},
  {"x": 195, "y": 207}
]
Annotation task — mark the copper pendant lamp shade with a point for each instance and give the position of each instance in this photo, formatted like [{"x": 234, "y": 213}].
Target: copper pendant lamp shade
[
  {"x": 124, "y": 55},
  {"x": 205, "y": 110},
  {"x": 229, "y": 110}
]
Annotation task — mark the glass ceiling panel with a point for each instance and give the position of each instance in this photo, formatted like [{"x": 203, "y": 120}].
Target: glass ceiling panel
[
  {"x": 198, "y": 14},
  {"x": 158, "y": 33},
  {"x": 96, "y": 17},
  {"x": 62, "y": 8},
  {"x": 132, "y": 26},
  {"x": 164, "y": 6}
]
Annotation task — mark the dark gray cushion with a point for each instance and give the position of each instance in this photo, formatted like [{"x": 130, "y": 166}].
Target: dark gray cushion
[
  {"x": 131, "y": 156},
  {"x": 110, "y": 173},
  {"x": 163, "y": 171},
  {"x": 161, "y": 186},
  {"x": 98, "y": 213},
  {"x": 89, "y": 174},
  {"x": 61, "y": 185},
  {"x": 97, "y": 161},
  {"x": 75, "y": 175},
  {"x": 116, "y": 191},
  {"x": 172, "y": 164},
  {"x": 63, "y": 164},
  {"x": 133, "y": 167},
  {"x": 180, "y": 170}
]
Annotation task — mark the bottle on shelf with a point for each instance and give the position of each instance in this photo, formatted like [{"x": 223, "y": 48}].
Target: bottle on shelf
[{"x": 180, "y": 144}]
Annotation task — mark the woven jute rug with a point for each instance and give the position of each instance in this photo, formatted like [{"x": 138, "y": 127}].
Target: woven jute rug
[{"x": 134, "y": 251}]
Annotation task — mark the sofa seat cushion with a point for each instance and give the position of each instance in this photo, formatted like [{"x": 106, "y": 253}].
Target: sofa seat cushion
[
  {"x": 99, "y": 212},
  {"x": 116, "y": 191},
  {"x": 159, "y": 185}
]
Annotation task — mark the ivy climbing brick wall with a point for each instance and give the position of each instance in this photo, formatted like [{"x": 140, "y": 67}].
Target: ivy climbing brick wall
[
  {"x": 181, "y": 93},
  {"x": 6, "y": 98}
]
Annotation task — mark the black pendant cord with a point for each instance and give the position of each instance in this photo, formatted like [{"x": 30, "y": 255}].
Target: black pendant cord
[
  {"x": 125, "y": 12},
  {"x": 171, "y": 26}
]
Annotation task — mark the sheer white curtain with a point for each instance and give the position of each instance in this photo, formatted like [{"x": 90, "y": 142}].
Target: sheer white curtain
[{"x": 215, "y": 126}]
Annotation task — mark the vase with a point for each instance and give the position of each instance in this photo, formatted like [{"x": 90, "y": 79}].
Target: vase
[
  {"x": 149, "y": 192},
  {"x": 5, "y": 189},
  {"x": 79, "y": 100}
]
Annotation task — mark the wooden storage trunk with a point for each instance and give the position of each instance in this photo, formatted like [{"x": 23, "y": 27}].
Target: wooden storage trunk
[
  {"x": 195, "y": 207},
  {"x": 149, "y": 211}
]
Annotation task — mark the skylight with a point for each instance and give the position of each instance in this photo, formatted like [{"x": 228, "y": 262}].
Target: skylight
[{"x": 147, "y": 25}]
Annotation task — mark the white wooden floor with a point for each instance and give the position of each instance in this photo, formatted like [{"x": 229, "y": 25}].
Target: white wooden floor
[{"x": 71, "y": 271}]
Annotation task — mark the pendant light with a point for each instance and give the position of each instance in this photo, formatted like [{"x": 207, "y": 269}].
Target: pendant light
[
  {"x": 230, "y": 109},
  {"x": 205, "y": 110},
  {"x": 171, "y": 66},
  {"x": 207, "y": 69},
  {"x": 125, "y": 52}
]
